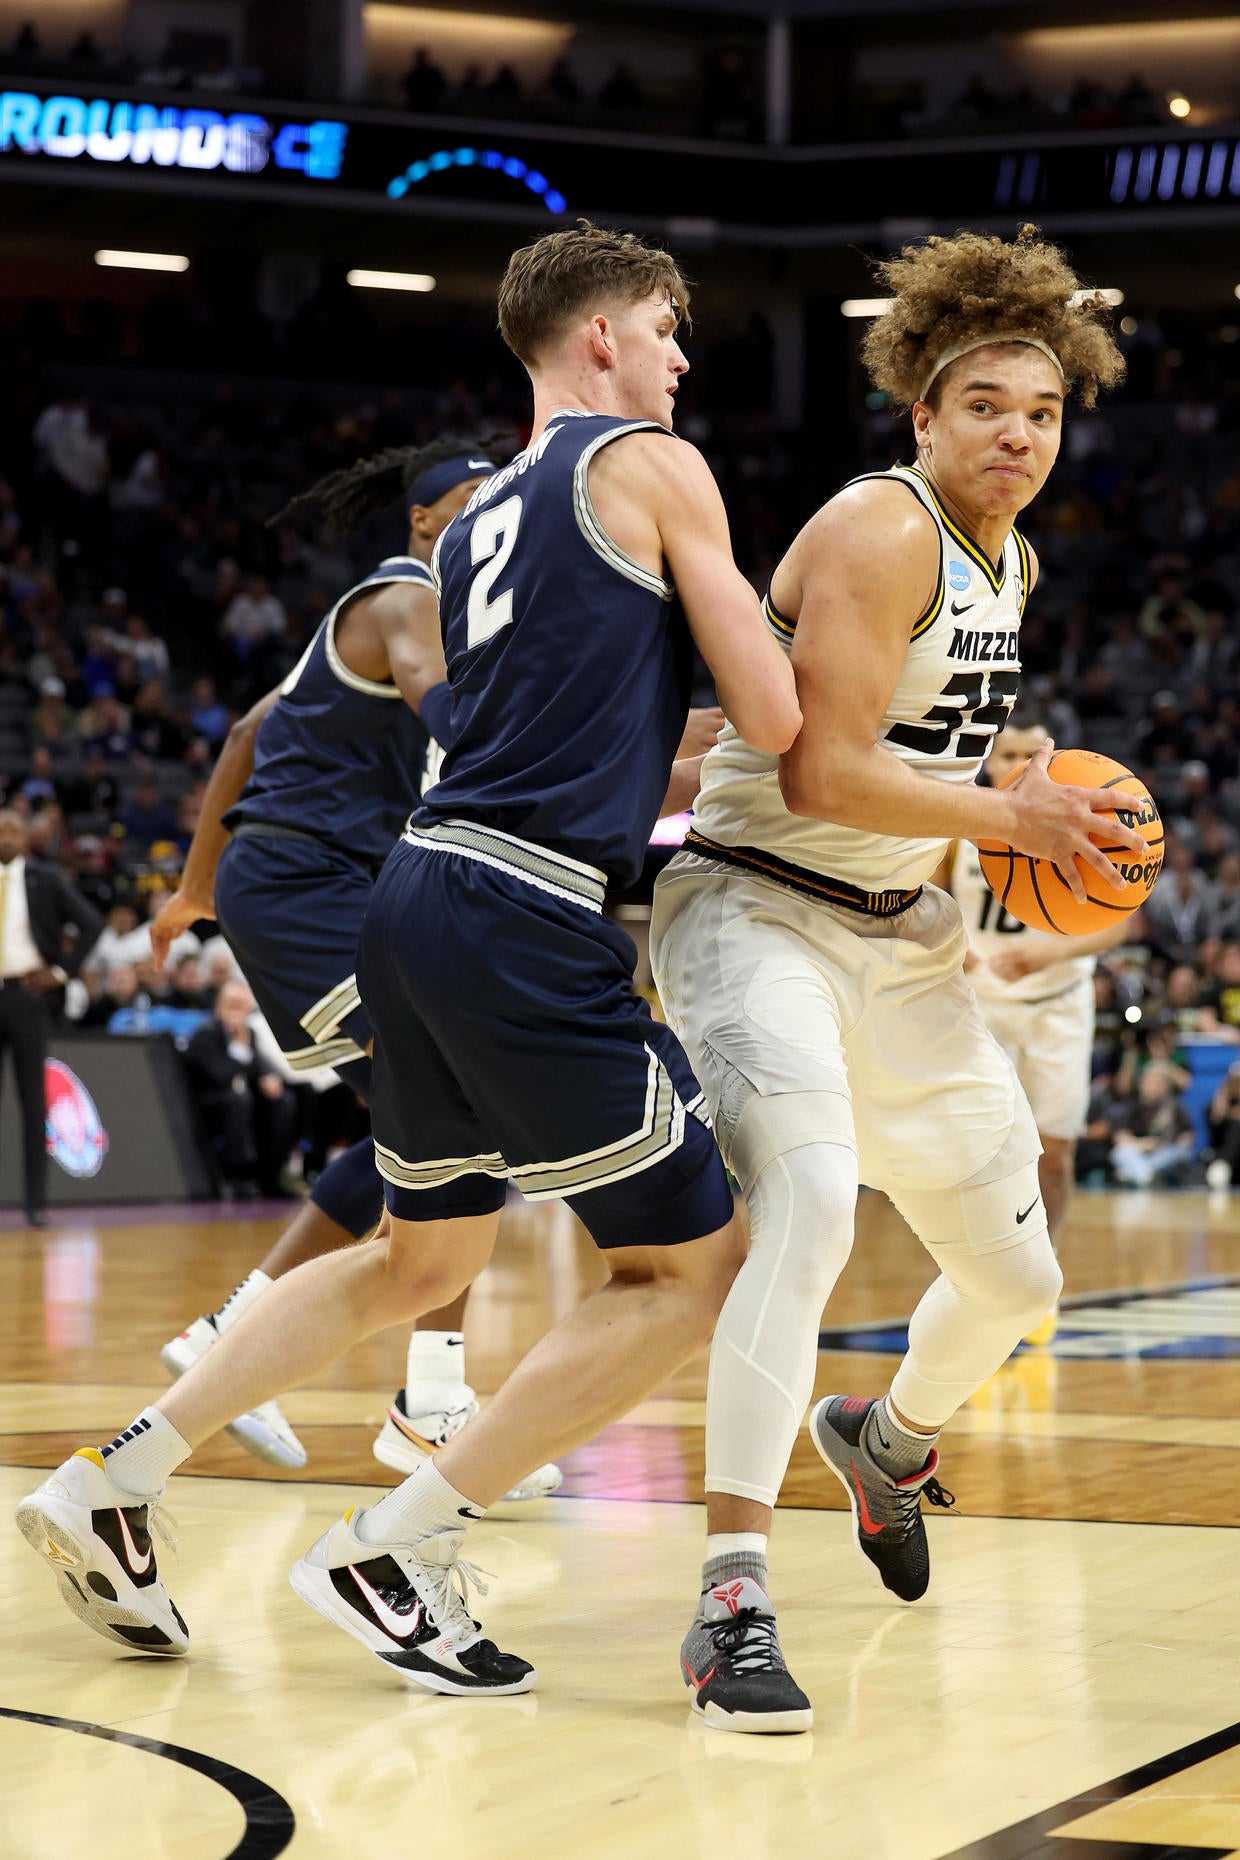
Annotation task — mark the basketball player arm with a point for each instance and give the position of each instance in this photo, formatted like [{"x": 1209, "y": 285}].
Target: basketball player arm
[
  {"x": 867, "y": 566},
  {"x": 1011, "y": 964},
  {"x": 752, "y": 676},
  {"x": 405, "y": 617},
  {"x": 194, "y": 897}
]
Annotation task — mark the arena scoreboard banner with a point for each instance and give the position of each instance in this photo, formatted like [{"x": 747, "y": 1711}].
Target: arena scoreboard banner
[
  {"x": 121, "y": 1125},
  {"x": 391, "y": 162}
]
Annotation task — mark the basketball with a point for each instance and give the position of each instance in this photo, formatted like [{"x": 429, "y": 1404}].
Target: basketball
[{"x": 1032, "y": 891}]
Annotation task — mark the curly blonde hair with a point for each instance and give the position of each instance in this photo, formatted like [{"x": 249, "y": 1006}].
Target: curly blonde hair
[{"x": 949, "y": 291}]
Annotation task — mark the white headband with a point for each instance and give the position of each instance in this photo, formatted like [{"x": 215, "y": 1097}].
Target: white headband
[{"x": 985, "y": 342}]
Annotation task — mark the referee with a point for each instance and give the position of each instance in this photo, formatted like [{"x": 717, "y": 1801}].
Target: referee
[{"x": 46, "y": 932}]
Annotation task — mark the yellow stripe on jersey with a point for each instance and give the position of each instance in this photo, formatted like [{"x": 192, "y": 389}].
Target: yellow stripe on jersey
[
  {"x": 933, "y": 611},
  {"x": 1022, "y": 549},
  {"x": 966, "y": 542},
  {"x": 780, "y": 625}
]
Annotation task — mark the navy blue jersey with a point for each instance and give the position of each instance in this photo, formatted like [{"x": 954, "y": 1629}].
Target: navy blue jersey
[
  {"x": 569, "y": 663},
  {"x": 338, "y": 755}
]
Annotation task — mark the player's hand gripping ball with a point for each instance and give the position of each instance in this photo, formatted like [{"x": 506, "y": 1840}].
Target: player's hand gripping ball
[{"x": 1032, "y": 891}]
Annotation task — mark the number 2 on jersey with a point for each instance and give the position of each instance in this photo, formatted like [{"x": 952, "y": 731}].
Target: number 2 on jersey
[{"x": 491, "y": 542}]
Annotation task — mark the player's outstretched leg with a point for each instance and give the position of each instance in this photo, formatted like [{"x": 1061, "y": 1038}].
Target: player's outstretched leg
[
  {"x": 345, "y": 1206},
  {"x": 436, "y": 1402},
  {"x": 96, "y": 1537},
  {"x": 886, "y": 1509},
  {"x": 408, "y": 1604}
]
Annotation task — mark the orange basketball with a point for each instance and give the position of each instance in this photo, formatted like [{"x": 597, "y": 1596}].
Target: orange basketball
[{"x": 1032, "y": 891}]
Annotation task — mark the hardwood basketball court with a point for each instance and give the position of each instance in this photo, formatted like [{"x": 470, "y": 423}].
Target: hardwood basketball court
[{"x": 1067, "y": 1687}]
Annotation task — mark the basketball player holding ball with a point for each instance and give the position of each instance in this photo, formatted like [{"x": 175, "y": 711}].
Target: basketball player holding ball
[
  {"x": 816, "y": 981},
  {"x": 1035, "y": 989}
]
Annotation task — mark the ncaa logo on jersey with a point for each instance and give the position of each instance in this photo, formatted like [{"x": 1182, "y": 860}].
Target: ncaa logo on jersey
[
  {"x": 76, "y": 1138},
  {"x": 958, "y": 576}
]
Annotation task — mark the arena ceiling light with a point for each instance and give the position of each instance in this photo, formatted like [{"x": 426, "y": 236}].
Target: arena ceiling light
[
  {"x": 392, "y": 280},
  {"x": 142, "y": 261},
  {"x": 1179, "y": 105},
  {"x": 866, "y": 306}
]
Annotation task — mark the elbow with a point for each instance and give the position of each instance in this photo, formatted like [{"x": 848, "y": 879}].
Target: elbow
[{"x": 774, "y": 735}]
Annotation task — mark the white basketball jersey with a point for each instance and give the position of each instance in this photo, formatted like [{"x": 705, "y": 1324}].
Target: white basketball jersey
[
  {"x": 955, "y": 690},
  {"x": 991, "y": 930}
]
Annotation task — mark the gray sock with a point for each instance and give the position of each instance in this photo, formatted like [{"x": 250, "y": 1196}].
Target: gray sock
[
  {"x": 899, "y": 1452},
  {"x": 730, "y": 1567}
]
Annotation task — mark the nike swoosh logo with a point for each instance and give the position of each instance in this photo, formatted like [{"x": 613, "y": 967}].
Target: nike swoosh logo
[
  {"x": 1025, "y": 1216},
  {"x": 966, "y": 609},
  {"x": 400, "y": 1627},
  {"x": 138, "y": 1564},
  {"x": 863, "y": 1510},
  {"x": 480, "y": 464},
  {"x": 692, "y": 1677}
]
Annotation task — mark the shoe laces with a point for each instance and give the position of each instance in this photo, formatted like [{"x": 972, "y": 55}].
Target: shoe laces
[
  {"x": 449, "y": 1585},
  {"x": 907, "y": 1501},
  {"x": 748, "y": 1642},
  {"x": 161, "y": 1523}
]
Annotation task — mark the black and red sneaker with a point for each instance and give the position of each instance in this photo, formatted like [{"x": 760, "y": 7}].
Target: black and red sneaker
[
  {"x": 732, "y": 1663},
  {"x": 886, "y": 1511}
]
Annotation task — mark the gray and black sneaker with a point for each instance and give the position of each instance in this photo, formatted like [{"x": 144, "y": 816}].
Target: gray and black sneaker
[
  {"x": 886, "y": 1511},
  {"x": 732, "y": 1663}
]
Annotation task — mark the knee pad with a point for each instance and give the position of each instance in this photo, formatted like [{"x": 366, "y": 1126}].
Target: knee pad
[
  {"x": 801, "y": 1210},
  {"x": 349, "y": 1190},
  {"x": 753, "y": 1130}
]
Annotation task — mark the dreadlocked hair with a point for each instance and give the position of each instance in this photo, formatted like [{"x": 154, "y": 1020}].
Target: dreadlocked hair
[
  {"x": 949, "y": 291},
  {"x": 346, "y": 498}
]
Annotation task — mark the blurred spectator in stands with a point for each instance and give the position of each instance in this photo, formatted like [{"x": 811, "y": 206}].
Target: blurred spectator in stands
[
  {"x": 1094, "y": 1146},
  {"x": 85, "y": 50},
  {"x": 1224, "y": 920},
  {"x": 1224, "y": 1122},
  {"x": 977, "y": 103},
  {"x": 253, "y": 615},
  {"x": 93, "y": 874},
  {"x": 10, "y": 521},
  {"x": 1137, "y": 102},
  {"x": 48, "y": 837},
  {"x": 99, "y": 660},
  {"x": 1167, "y": 737},
  {"x": 504, "y": 89},
  {"x": 622, "y": 90},
  {"x": 1154, "y": 1141},
  {"x": 27, "y": 44},
  {"x": 40, "y": 784},
  {"x": 249, "y": 1115},
  {"x": 121, "y": 940},
  {"x": 144, "y": 488},
  {"x": 1224, "y": 995},
  {"x": 560, "y": 89},
  {"x": 51, "y": 716},
  {"x": 104, "y": 726},
  {"x": 188, "y": 986},
  {"x": 1183, "y": 1003},
  {"x": 149, "y": 654},
  {"x": 208, "y": 717},
  {"x": 1099, "y": 700},
  {"x": 1178, "y": 912},
  {"x": 729, "y": 99},
  {"x": 1170, "y": 610},
  {"x": 155, "y": 734},
  {"x": 92, "y": 794},
  {"x": 147, "y": 816},
  {"x": 469, "y": 95},
  {"x": 424, "y": 84}
]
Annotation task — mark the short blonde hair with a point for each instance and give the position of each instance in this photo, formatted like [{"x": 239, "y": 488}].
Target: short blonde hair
[
  {"x": 555, "y": 279},
  {"x": 952, "y": 291}
]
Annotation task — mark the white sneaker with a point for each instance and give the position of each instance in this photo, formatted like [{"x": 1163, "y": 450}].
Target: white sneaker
[
  {"x": 1218, "y": 1173},
  {"x": 264, "y": 1430},
  {"x": 97, "y": 1538},
  {"x": 408, "y": 1440},
  {"x": 407, "y": 1603}
]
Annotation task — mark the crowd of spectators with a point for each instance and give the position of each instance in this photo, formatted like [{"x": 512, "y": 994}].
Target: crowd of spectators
[{"x": 145, "y": 604}]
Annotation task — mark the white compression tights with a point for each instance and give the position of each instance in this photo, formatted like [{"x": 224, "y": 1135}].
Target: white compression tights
[{"x": 762, "y": 1360}]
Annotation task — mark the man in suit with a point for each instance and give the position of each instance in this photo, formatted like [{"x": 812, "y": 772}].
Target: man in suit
[
  {"x": 249, "y": 1115},
  {"x": 46, "y": 931}
]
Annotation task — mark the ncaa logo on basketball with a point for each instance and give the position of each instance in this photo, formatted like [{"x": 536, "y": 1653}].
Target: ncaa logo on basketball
[
  {"x": 76, "y": 1138},
  {"x": 958, "y": 576}
]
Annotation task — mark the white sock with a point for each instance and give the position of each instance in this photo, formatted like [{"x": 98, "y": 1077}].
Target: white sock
[
  {"x": 141, "y": 1459},
  {"x": 425, "y": 1502},
  {"x": 735, "y": 1543},
  {"x": 434, "y": 1370},
  {"x": 236, "y": 1302}
]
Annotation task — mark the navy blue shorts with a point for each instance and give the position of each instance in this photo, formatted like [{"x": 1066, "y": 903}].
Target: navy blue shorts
[
  {"x": 292, "y": 912},
  {"x": 509, "y": 1043}
]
